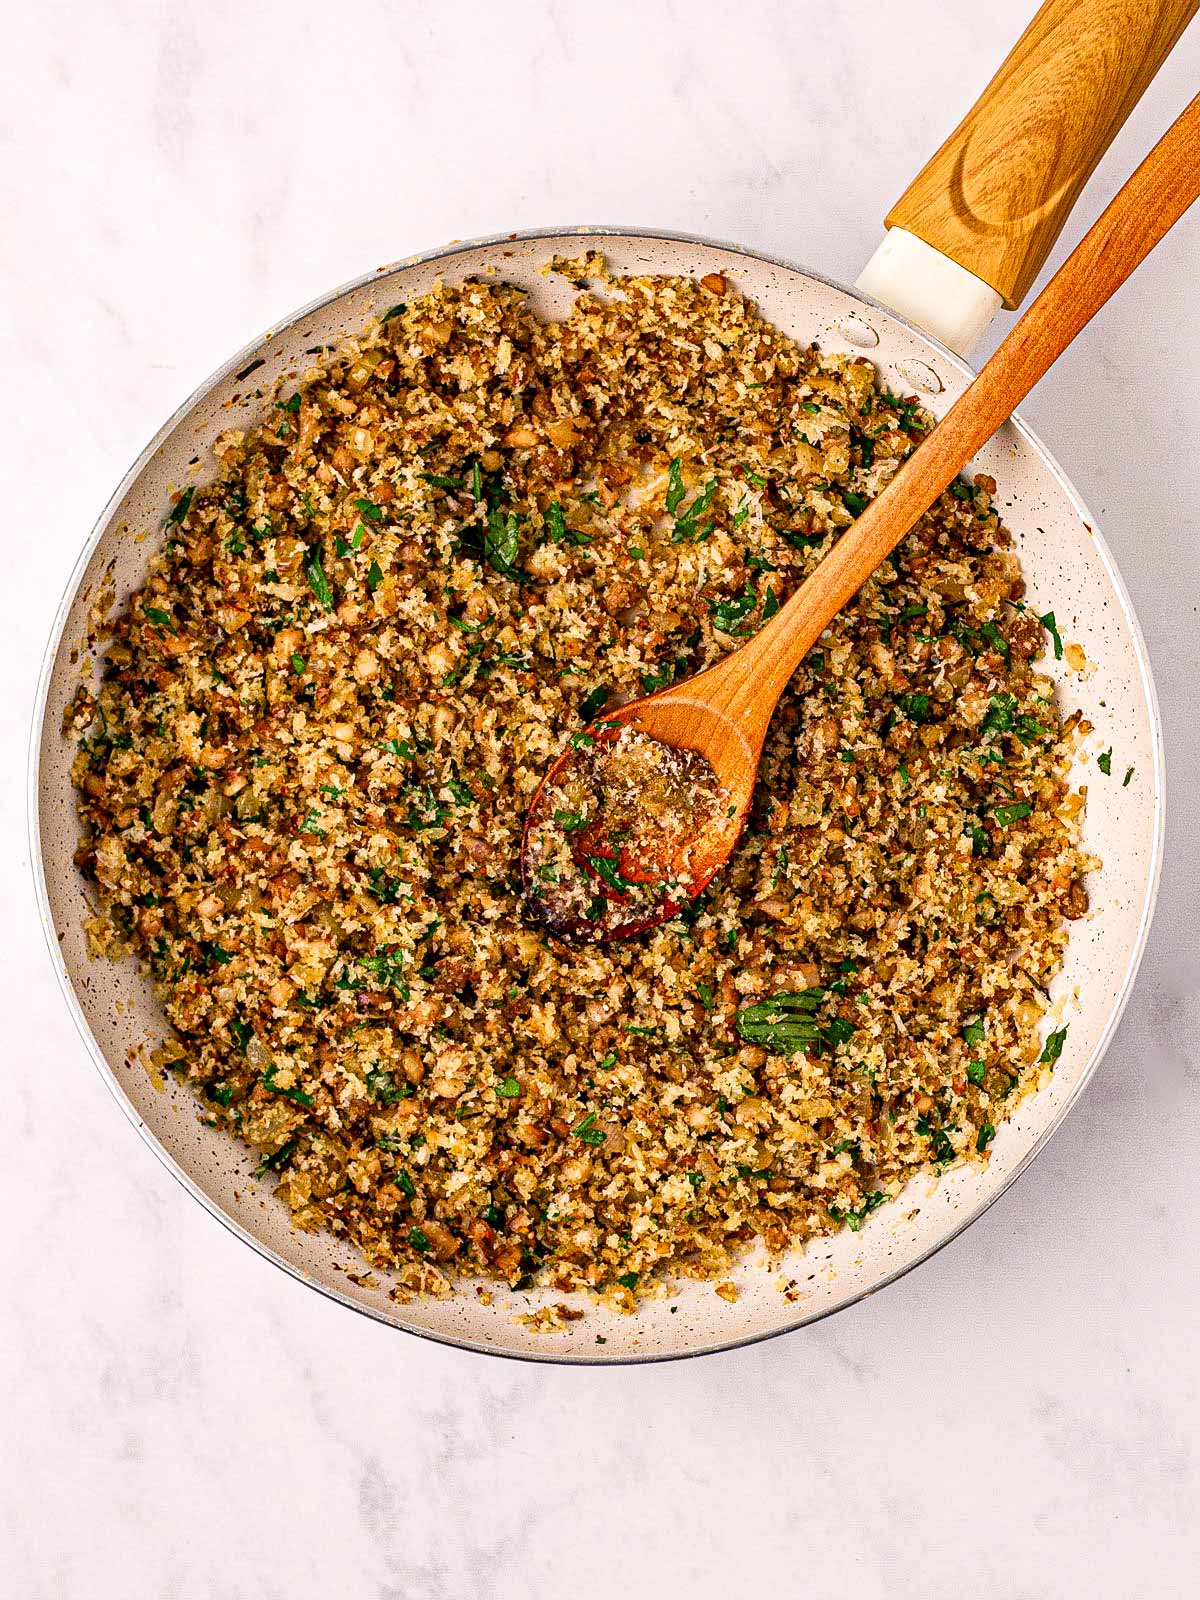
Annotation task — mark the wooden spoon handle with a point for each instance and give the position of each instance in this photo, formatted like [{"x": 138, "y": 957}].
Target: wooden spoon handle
[
  {"x": 1152, "y": 201},
  {"x": 995, "y": 196}
]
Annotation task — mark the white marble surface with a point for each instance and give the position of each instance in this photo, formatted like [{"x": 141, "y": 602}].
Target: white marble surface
[{"x": 1019, "y": 1418}]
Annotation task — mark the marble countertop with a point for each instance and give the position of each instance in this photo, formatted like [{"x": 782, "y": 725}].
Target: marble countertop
[{"x": 1019, "y": 1417}]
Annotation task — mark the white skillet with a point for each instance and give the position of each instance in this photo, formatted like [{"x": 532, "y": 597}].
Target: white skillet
[{"x": 1068, "y": 568}]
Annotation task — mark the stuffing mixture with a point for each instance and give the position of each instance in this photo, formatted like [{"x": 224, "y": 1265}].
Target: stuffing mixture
[
  {"x": 303, "y": 778},
  {"x": 621, "y": 832}
]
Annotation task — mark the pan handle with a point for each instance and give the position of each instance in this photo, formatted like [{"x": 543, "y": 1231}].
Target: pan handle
[{"x": 972, "y": 230}]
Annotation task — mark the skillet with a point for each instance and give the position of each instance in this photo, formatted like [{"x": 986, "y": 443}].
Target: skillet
[{"x": 968, "y": 236}]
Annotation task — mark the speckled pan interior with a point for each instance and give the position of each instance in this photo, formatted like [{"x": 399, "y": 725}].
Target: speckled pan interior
[{"x": 1068, "y": 569}]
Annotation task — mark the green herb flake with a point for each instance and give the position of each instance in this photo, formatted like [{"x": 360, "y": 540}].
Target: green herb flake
[
  {"x": 783, "y": 1023},
  {"x": 508, "y": 1089},
  {"x": 687, "y": 523},
  {"x": 501, "y": 542},
  {"x": 297, "y": 1095},
  {"x": 556, "y": 522},
  {"x": 1104, "y": 762},
  {"x": 587, "y": 1132},
  {"x": 987, "y": 1133},
  {"x": 317, "y": 581},
  {"x": 179, "y": 510},
  {"x": 855, "y": 1219},
  {"x": 1053, "y": 1046},
  {"x": 914, "y": 706},
  {"x": 606, "y": 869},
  {"x": 368, "y": 508},
  {"x": 280, "y": 1159},
  {"x": 992, "y": 634},
  {"x": 593, "y": 703},
  {"x": 383, "y": 1087},
  {"x": 999, "y": 715},
  {"x": 729, "y": 615},
  {"x": 160, "y": 619},
  {"x": 1005, "y": 815},
  {"x": 1051, "y": 628}
]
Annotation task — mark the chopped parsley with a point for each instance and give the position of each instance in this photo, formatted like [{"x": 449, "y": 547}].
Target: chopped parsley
[
  {"x": 855, "y": 1219},
  {"x": 179, "y": 510},
  {"x": 160, "y": 619},
  {"x": 501, "y": 541},
  {"x": 588, "y": 1132},
  {"x": 914, "y": 706},
  {"x": 1005, "y": 815},
  {"x": 688, "y": 524},
  {"x": 729, "y": 615},
  {"x": 317, "y": 581},
  {"x": 593, "y": 703},
  {"x": 1053, "y": 1046},
  {"x": 785, "y": 1023},
  {"x": 269, "y": 1084},
  {"x": 1051, "y": 628},
  {"x": 383, "y": 1087}
]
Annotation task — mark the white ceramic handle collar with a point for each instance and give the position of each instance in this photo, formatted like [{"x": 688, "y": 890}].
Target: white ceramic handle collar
[{"x": 920, "y": 283}]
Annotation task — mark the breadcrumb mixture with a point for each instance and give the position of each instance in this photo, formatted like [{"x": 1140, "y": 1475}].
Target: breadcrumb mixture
[{"x": 303, "y": 778}]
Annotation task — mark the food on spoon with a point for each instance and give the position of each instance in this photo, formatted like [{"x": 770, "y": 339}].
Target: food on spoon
[
  {"x": 325, "y": 712},
  {"x": 614, "y": 830}
]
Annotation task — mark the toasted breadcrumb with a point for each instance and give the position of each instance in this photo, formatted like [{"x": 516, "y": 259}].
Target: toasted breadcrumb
[{"x": 303, "y": 777}]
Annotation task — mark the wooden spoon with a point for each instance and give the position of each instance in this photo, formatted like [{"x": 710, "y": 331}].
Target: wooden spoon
[{"x": 723, "y": 713}]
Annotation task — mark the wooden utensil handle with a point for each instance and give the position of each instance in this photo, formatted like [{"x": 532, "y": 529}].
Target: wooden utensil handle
[
  {"x": 1153, "y": 200},
  {"x": 995, "y": 196}
]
